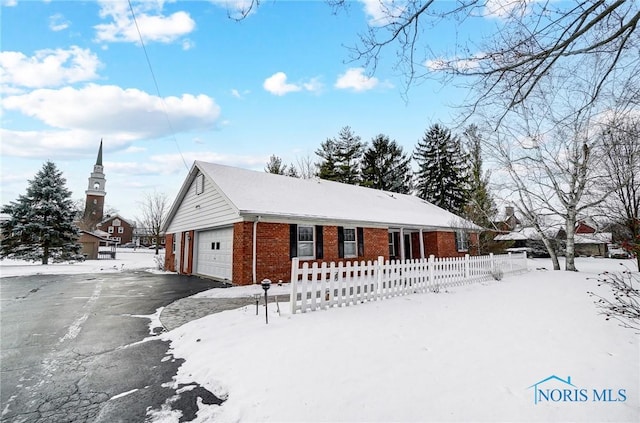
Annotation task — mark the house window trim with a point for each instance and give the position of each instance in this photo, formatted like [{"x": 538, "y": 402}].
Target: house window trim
[
  {"x": 312, "y": 242},
  {"x": 110, "y": 229},
  {"x": 462, "y": 241},
  {"x": 120, "y": 229},
  {"x": 354, "y": 242}
]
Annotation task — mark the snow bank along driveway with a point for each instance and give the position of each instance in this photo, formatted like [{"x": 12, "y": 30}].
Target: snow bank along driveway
[{"x": 470, "y": 354}]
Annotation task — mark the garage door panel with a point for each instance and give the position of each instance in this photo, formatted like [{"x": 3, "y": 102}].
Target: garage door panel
[{"x": 215, "y": 253}]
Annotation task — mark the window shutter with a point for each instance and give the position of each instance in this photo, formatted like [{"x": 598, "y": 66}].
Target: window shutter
[
  {"x": 360, "y": 236},
  {"x": 293, "y": 240},
  {"x": 340, "y": 242},
  {"x": 319, "y": 242}
]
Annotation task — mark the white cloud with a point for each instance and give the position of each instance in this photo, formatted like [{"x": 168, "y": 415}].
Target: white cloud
[
  {"x": 505, "y": 8},
  {"x": 237, "y": 8},
  {"x": 455, "y": 63},
  {"x": 153, "y": 25},
  {"x": 239, "y": 95},
  {"x": 277, "y": 84},
  {"x": 8, "y": 3},
  {"x": 48, "y": 68},
  {"x": 355, "y": 79},
  {"x": 382, "y": 12},
  {"x": 95, "y": 111},
  {"x": 57, "y": 22}
]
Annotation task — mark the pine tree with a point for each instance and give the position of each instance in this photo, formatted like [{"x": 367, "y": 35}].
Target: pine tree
[
  {"x": 481, "y": 208},
  {"x": 341, "y": 157},
  {"x": 443, "y": 175},
  {"x": 385, "y": 166},
  {"x": 41, "y": 223},
  {"x": 274, "y": 165}
]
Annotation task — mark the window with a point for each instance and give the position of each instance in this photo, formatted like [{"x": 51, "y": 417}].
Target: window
[
  {"x": 110, "y": 230},
  {"x": 96, "y": 185},
  {"x": 392, "y": 245},
  {"x": 305, "y": 242},
  {"x": 462, "y": 241},
  {"x": 95, "y": 201},
  {"x": 117, "y": 222},
  {"x": 350, "y": 242},
  {"x": 199, "y": 184},
  {"x": 215, "y": 245},
  {"x": 120, "y": 230}
]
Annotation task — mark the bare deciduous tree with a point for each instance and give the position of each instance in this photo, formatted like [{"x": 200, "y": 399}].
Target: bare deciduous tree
[
  {"x": 624, "y": 304},
  {"x": 154, "y": 209}
]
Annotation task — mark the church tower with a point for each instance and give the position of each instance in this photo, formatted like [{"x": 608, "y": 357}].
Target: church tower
[{"x": 94, "y": 206}]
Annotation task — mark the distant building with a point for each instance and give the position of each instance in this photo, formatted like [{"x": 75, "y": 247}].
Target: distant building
[
  {"x": 117, "y": 228},
  {"x": 95, "y": 193}
]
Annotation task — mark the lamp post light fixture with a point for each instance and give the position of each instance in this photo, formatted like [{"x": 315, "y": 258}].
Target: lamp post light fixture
[
  {"x": 266, "y": 284},
  {"x": 257, "y": 298}
]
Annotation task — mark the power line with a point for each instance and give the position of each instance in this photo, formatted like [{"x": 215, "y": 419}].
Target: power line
[{"x": 155, "y": 82}]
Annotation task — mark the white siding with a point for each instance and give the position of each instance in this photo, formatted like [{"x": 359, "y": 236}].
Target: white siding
[{"x": 206, "y": 210}]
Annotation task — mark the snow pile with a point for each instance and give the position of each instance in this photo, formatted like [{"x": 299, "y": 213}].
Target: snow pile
[
  {"x": 126, "y": 259},
  {"x": 469, "y": 354}
]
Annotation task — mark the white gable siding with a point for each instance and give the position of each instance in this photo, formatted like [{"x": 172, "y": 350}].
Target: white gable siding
[{"x": 213, "y": 210}]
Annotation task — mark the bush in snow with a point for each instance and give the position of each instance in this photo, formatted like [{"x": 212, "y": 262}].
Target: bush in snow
[
  {"x": 625, "y": 304},
  {"x": 497, "y": 274},
  {"x": 159, "y": 259}
]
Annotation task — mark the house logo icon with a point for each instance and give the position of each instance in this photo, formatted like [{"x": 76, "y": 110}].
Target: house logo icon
[
  {"x": 555, "y": 389},
  {"x": 540, "y": 393}
]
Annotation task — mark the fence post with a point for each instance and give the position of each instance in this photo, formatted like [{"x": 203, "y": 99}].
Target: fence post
[
  {"x": 293, "y": 299},
  {"x": 524, "y": 259},
  {"x": 466, "y": 267},
  {"x": 379, "y": 275},
  {"x": 491, "y": 262},
  {"x": 510, "y": 263},
  {"x": 431, "y": 265}
]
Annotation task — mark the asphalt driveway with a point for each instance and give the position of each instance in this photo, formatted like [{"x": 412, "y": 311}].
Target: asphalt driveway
[{"x": 77, "y": 348}]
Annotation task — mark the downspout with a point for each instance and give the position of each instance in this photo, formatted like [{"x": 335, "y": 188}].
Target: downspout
[
  {"x": 254, "y": 259},
  {"x": 402, "y": 244},
  {"x": 421, "y": 244}
]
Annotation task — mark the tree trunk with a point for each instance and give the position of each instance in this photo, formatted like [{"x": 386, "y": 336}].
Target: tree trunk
[
  {"x": 570, "y": 253},
  {"x": 552, "y": 253},
  {"x": 45, "y": 254}
]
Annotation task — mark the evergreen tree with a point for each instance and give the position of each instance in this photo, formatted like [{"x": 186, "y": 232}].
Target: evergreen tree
[
  {"x": 385, "y": 166},
  {"x": 327, "y": 167},
  {"x": 341, "y": 157},
  {"x": 481, "y": 208},
  {"x": 274, "y": 165},
  {"x": 443, "y": 175},
  {"x": 41, "y": 224}
]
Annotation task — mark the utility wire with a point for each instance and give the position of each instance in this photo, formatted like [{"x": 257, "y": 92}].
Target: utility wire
[{"x": 155, "y": 82}]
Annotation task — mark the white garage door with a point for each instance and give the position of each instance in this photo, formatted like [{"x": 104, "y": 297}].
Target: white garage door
[{"x": 215, "y": 253}]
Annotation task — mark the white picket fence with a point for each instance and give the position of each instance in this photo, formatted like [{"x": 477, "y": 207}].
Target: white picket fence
[{"x": 326, "y": 285}]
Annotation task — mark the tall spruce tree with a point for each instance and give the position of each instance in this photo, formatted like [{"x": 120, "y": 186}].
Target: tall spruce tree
[
  {"x": 386, "y": 166},
  {"x": 443, "y": 174},
  {"x": 41, "y": 223},
  {"x": 481, "y": 208},
  {"x": 341, "y": 157}
]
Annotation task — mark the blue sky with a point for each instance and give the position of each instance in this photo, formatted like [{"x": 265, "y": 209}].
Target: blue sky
[{"x": 279, "y": 82}]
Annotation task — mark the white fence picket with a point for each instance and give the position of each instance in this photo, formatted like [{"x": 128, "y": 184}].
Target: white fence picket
[{"x": 327, "y": 285}]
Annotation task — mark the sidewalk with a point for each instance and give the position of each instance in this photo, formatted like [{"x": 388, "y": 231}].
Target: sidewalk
[{"x": 185, "y": 310}]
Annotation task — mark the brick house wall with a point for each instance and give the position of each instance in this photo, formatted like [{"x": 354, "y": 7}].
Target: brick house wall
[
  {"x": 443, "y": 244},
  {"x": 169, "y": 255},
  {"x": 273, "y": 261}
]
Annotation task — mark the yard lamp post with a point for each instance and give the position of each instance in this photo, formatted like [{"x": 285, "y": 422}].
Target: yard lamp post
[
  {"x": 266, "y": 284},
  {"x": 257, "y": 298}
]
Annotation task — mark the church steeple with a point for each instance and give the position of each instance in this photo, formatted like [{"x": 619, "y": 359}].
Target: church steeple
[
  {"x": 95, "y": 193},
  {"x": 99, "y": 160}
]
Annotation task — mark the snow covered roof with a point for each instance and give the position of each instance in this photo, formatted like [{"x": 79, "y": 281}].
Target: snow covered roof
[
  {"x": 255, "y": 193},
  {"x": 523, "y": 234},
  {"x": 596, "y": 238}
]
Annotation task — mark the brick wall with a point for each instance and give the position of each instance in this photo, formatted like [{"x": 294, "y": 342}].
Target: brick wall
[
  {"x": 443, "y": 244},
  {"x": 273, "y": 260},
  {"x": 169, "y": 256}
]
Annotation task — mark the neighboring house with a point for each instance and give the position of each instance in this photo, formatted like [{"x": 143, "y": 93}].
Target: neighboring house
[
  {"x": 506, "y": 221},
  {"x": 118, "y": 228},
  {"x": 91, "y": 243},
  {"x": 146, "y": 238},
  {"x": 525, "y": 239},
  {"x": 243, "y": 226},
  {"x": 592, "y": 244}
]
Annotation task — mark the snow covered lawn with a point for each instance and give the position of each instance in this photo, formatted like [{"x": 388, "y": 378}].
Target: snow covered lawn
[
  {"x": 126, "y": 259},
  {"x": 469, "y": 354}
]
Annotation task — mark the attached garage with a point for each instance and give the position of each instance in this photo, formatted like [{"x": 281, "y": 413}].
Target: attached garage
[{"x": 215, "y": 253}]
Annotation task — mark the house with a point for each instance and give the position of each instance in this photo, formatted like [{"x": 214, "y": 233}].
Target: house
[
  {"x": 506, "y": 221},
  {"x": 118, "y": 228},
  {"x": 243, "y": 226},
  {"x": 91, "y": 246}
]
